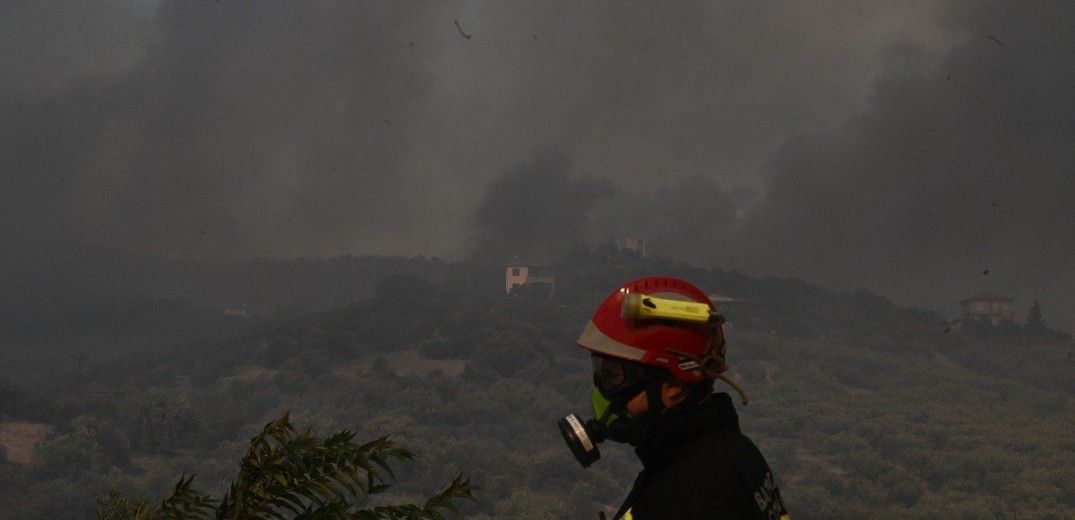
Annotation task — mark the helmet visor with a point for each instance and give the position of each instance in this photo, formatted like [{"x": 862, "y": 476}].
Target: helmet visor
[{"x": 613, "y": 376}]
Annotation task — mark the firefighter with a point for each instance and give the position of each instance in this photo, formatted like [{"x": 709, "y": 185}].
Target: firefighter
[{"x": 657, "y": 346}]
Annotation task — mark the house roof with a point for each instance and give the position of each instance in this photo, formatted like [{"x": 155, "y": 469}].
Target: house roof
[
  {"x": 526, "y": 264},
  {"x": 989, "y": 297}
]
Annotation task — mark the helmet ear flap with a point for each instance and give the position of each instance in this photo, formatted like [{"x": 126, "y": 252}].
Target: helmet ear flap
[{"x": 712, "y": 362}]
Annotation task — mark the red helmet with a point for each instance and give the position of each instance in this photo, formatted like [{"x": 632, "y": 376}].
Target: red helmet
[{"x": 680, "y": 347}]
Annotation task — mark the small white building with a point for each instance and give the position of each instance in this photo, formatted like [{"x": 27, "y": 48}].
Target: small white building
[
  {"x": 993, "y": 308},
  {"x": 528, "y": 274}
]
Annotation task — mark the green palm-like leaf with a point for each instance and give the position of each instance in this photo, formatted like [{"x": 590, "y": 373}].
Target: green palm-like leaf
[
  {"x": 290, "y": 474},
  {"x": 445, "y": 500}
]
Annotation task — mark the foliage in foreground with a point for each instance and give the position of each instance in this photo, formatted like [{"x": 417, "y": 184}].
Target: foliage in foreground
[{"x": 290, "y": 474}]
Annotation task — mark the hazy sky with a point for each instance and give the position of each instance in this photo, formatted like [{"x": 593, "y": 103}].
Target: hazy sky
[{"x": 905, "y": 147}]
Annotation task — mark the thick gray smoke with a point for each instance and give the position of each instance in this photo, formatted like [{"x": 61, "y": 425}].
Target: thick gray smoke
[
  {"x": 955, "y": 180},
  {"x": 291, "y": 129},
  {"x": 687, "y": 220},
  {"x": 229, "y": 129},
  {"x": 535, "y": 212},
  {"x": 904, "y": 147}
]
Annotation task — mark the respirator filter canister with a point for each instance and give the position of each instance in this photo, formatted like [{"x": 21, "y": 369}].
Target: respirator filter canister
[{"x": 582, "y": 438}]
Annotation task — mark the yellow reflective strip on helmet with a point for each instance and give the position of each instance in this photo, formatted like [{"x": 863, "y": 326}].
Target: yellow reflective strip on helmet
[
  {"x": 785, "y": 516},
  {"x": 627, "y": 515}
]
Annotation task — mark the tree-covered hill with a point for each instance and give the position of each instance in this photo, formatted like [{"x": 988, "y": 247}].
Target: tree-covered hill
[
  {"x": 863, "y": 408},
  {"x": 263, "y": 286}
]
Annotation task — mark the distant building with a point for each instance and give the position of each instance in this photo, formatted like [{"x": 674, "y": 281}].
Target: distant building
[
  {"x": 993, "y": 308},
  {"x": 240, "y": 312},
  {"x": 528, "y": 274},
  {"x": 634, "y": 244}
]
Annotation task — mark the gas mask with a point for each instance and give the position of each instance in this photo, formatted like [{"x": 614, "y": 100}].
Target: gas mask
[{"x": 615, "y": 383}]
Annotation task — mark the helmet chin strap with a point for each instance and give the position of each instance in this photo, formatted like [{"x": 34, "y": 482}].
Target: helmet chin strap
[
  {"x": 654, "y": 399},
  {"x": 624, "y": 429}
]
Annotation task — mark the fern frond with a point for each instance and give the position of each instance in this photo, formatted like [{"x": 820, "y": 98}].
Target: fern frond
[
  {"x": 460, "y": 488},
  {"x": 287, "y": 473}
]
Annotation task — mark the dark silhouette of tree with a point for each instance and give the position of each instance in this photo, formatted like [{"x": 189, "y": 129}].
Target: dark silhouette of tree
[{"x": 1035, "y": 324}]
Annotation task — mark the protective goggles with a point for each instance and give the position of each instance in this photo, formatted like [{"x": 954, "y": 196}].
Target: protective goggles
[{"x": 614, "y": 376}]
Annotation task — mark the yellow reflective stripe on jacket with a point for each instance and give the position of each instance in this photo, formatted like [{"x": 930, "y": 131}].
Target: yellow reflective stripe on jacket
[{"x": 628, "y": 516}]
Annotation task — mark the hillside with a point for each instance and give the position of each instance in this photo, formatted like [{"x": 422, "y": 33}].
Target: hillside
[
  {"x": 863, "y": 408},
  {"x": 79, "y": 308},
  {"x": 264, "y": 287}
]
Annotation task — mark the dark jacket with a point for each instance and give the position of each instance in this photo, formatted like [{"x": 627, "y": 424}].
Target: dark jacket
[{"x": 700, "y": 466}]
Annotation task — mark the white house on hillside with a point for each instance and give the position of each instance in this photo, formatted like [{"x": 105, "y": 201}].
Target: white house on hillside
[
  {"x": 528, "y": 274},
  {"x": 993, "y": 308}
]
